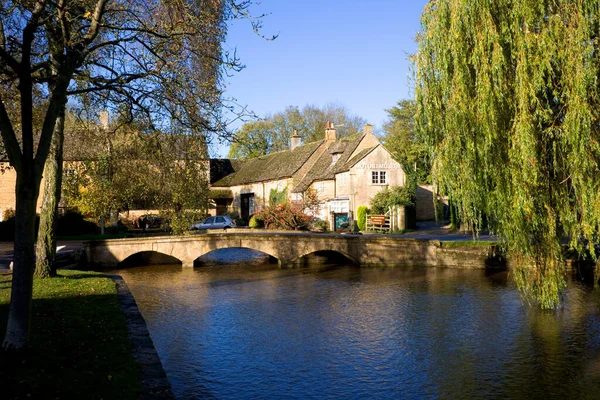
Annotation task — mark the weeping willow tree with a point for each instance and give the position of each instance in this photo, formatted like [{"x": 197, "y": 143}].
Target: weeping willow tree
[{"x": 509, "y": 102}]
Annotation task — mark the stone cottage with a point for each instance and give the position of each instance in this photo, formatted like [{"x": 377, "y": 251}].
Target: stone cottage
[{"x": 344, "y": 174}]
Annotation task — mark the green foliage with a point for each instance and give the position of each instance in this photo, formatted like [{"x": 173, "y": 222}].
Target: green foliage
[
  {"x": 273, "y": 133},
  {"x": 256, "y": 221},
  {"x": 404, "y": 142},
  {"x": 361, "y": 217},
  {"x": 278, "y": 197},
  {"x": 394, "y": 196},
  {"x": 78, "y": 338},
  {"x": 509, "y": 101},
  {"x": 139, "y": 171},
  {"x": 320, "y": 226}
]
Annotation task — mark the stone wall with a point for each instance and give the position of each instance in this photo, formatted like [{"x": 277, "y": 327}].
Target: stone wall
[
  {"x": 8, "y": 180},
  {"x": 288, "y": 248},
  {"x": 424, "y": 203}
]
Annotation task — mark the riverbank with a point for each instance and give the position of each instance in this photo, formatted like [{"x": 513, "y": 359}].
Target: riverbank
[{"x": 79, "y": 346}]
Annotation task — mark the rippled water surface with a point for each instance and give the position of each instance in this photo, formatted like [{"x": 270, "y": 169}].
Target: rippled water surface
[{"x": 348, "y": 333}]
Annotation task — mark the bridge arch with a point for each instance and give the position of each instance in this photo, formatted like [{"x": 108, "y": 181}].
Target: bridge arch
[
  {"x": 247, "y": 255},
  {"x": 148, "y": 257},
  {"x": 325, "y": 256}
]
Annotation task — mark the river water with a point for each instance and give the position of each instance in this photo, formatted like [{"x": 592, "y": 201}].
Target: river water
[{"x": 259, "y": 332}]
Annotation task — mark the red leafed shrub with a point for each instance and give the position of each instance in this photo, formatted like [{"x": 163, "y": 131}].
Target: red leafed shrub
[{"x": 284, "y": 216}]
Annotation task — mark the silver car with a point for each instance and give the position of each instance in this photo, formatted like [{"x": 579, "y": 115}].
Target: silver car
[{"x": 218, "y": 222}]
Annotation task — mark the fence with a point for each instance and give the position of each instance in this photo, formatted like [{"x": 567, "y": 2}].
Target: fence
[{"x": 392, "y": 221}]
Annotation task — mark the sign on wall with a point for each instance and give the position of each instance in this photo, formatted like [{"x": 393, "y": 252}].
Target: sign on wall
[{"x": 378, "y": 166}]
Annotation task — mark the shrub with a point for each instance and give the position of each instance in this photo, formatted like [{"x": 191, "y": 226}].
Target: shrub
[
  {"x": 7, "y": 228},
  {"x": 320, "y": 226},
  {"x": 72, "y": 223},
  {"x": 256, "y": 221},
  {"x": 8, "y": 214},
  {"x": 240, "y": 222},
  {"x": 361, "y": 217},
  {"x": 285, "y": 216},
  {"x": 278, "y": 197},
  {"x": 396, "y": 196}
]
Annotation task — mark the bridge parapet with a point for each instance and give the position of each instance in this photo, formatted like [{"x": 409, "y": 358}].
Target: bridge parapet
[{"x": 364, "y": 250}]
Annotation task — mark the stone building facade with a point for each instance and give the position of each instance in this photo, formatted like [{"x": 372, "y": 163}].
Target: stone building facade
[{"x": 344, "y": 174}]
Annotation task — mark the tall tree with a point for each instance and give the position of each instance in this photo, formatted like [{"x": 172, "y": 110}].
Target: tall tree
[
  {"x": 46, "y": 241},
  {"x": 402, "y": 139},
  {"x": 141, "y": 55},
  {"x": 273, "y": 133},
  {"x": 508, "y": 97}
]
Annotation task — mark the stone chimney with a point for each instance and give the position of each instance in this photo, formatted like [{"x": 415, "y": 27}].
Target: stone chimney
[
  {"x": 330, "y": 132},
  {"x": 104, "y": 119},
  {"x": 296, "y": 140},
  {"x": 368, "y": 129}
]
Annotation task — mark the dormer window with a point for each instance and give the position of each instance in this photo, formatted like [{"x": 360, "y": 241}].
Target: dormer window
[{"x": 335, "y": 157}]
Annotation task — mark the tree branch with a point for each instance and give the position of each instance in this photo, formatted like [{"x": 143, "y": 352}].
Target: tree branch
[{"x": 9, "y": 138}]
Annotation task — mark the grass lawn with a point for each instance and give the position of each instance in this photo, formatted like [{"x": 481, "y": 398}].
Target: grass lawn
[
  {"x": 78, "y": 348},
  {"x": 456, "y": 244}
]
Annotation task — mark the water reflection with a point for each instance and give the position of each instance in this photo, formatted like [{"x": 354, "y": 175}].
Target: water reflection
[{"x": 261, "y": 332}]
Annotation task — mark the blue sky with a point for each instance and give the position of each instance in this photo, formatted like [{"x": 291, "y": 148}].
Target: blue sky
[{"x": 352, "y": 52}]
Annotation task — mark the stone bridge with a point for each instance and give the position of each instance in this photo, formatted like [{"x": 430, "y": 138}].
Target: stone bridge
[{"x": 288, "y": 248}]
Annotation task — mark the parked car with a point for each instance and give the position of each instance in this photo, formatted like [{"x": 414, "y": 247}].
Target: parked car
[
  {"x": 148, "y": 221},
  {"x": 218, "y": 222}
]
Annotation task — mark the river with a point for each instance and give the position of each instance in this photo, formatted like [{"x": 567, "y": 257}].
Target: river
[{"x": 258, "y": 332}]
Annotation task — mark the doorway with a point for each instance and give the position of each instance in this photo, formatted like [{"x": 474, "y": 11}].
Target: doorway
[{"x": 247, "y": 205}]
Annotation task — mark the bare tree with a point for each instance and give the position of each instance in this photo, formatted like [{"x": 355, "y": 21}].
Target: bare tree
[{"x": 141, "y": 56}]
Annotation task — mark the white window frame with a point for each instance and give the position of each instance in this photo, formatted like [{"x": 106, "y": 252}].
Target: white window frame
[{"x": 379, "y": 177}]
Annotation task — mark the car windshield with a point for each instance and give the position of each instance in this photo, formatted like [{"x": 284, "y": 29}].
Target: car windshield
[{"x": 208, "y": 220}]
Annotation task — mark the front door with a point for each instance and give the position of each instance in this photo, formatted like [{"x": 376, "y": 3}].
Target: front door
[
  {"x": 341, "y": 221},
  {"x": 247, "y": 205}
]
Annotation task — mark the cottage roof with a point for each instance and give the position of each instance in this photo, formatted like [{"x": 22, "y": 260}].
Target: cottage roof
[
  {"x": 271, "y": 167},
  {"x": 325, "y": 168}
]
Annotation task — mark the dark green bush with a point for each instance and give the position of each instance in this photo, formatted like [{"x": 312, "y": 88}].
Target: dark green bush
[
  {"x": 361, "y": 217},
  {"x": 256, "y": 221},
  {"x": 395, "y": 196},
  {"x": 320, "y": 226},
  {"x": 72, "y": 223},
  {"x": 7, "y": 229}
]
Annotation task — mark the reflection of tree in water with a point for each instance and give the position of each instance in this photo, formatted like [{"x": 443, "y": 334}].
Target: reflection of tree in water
[
  {"x": 564, "y": 361},
  {"x": 417, "y": 332}
]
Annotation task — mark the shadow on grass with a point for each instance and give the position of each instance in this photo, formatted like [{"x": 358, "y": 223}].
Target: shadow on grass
[{"x": 78, "y": 349}]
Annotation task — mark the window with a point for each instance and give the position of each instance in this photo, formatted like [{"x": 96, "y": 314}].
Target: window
[
  {"x": 378, "y": 177},
  {"x": 343, "y": 180},
  {"x": 220, "y": 220},
  {"x": 320, "y": 187}
]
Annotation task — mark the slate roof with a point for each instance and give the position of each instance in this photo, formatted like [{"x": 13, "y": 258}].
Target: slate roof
[
  {"x": 325, "y": 169},
  {"x": 222, "y": 167},
  {"x": 273, "y": 166}
]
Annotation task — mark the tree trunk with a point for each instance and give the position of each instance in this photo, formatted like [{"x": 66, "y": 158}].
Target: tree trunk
[
  {"x": 46, "y": 243},
  {"x": 19, "y": 317}
]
